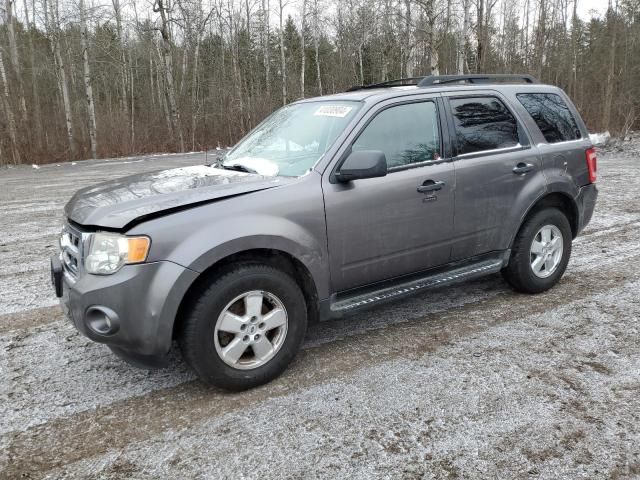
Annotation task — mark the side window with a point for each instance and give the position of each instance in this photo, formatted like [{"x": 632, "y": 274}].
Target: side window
[
  {"x": 483, "y": 123},
  {"x": 551, "y": 114},
  {"x": 406, "y": 134}
]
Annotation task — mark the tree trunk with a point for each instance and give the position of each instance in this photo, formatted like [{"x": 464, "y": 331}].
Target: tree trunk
[
  {"x": 541, "y": 38},
  {"x": 464, "y": 37},
  {"x": 480, "y": 33},
  {"x": 608, "y": 97},
  {"x": 15, "y": 58},
  {"x": 151, "y": 90},
  {"x": 37, "y": 113},
  {"x": 302, "y": 47},
  {"x": 53, "y": 28},
  {"x": 283, "y": 60},
  {"x": 65, "y": 98},
  {"x": 265, "y": 47},
  {"x": 361, "y": 63},
  {"x": 194, "y": 93},
  {"x": 6, "y": 106},
  {"x": 316, "y": 44},
  {"x": 573, "y": 80},
  {"x": 167, "y": 64},
  {"x": 123, "y": 59},
  {"x": 409, "y": 40},
  {"x": 87, "y": 81},
  {"x": 133, "y": 104},
  {"x": 432, "y": 36},
  {"x": 237, "y": 75},
  {"x": 161, "y": 91}
]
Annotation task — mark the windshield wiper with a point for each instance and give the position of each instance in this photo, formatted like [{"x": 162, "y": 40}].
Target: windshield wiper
[{"x": 237, "y": 167}]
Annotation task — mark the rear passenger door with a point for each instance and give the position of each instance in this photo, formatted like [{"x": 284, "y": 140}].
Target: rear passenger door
[{"x": 498, "y": 172}]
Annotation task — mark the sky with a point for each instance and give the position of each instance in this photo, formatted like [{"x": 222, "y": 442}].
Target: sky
[{"x": 585, "y": 7}]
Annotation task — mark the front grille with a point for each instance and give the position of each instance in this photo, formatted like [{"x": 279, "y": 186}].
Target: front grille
[{"x": 71, "y": 249}]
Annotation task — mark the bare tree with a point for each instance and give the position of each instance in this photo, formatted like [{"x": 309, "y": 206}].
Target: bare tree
[
  {"x": 303, "y": 54},
  {"x": 409, "y": 39},
  {"x": 316, "y": 43},
  {"x": 480, "y": 37},
  {"x": 53, "y": 22},
  {"x": 612, "y": 12},
  {"x": 6, "y": 107},
  {"x": 266, "y": 40},
  {"x": 167, "y": 67},
  {"x": 37, "y": 116},
  {"x": 117, "y": 11},
  {"x": 283, "y": 59},
  {"x": 15, "y": 57},
  {"x": 87, "y": 81},
  {"x": 463, "y": 37}
]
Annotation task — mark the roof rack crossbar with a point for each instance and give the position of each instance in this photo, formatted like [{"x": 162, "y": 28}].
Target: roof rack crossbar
[
  {"x": 398, "y": 82},
  {"x": 435, "y": 80}
]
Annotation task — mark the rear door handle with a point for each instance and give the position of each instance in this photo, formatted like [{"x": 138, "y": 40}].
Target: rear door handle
[
  {"x": 522, "y": 168},
  {"x": 430, "y": 186}
]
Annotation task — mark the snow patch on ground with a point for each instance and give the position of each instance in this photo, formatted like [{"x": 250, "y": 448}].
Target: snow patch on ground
[{"x": 600, "y": 139}]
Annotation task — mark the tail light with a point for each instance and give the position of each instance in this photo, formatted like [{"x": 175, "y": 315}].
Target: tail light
[{"x": 592, "y": 164}]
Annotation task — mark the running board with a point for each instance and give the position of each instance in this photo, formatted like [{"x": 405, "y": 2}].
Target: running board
[{"x": 347, "y": 304}]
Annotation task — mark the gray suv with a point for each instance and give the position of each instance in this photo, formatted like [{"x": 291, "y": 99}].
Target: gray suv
[{"x": 329, "y": 206}]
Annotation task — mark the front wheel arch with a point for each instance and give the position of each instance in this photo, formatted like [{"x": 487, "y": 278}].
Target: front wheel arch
[{"x": 271, "y": 257}]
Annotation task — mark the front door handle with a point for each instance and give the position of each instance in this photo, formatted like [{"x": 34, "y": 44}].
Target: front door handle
[
  {"x": 522, "y": 168},
  {"x": 430, "y": 186}
]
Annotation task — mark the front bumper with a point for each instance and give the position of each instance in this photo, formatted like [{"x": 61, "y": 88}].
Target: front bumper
[
  {"x": 142, "y": 302},
  {"x": 586, "y": 201}
]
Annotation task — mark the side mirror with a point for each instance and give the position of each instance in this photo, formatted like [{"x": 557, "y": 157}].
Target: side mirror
[{"x": 363, "y": 164}]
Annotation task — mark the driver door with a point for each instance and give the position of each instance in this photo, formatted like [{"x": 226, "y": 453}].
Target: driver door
[{"x": 380, "y": 228}]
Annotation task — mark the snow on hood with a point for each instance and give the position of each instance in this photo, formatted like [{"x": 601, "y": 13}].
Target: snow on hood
[{"x": 118, "y": 203}]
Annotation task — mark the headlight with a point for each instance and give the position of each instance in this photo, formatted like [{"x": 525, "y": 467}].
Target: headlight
[{"x": 108, "y": 252}]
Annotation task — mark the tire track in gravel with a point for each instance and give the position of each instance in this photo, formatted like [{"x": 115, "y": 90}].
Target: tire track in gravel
[
  {"x": 550, "y": 395},
  {"x": 31, "y": 319},
  {"x": 114, "y": 426}
]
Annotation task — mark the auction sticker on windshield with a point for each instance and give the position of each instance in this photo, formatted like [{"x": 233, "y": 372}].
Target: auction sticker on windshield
[{"x": 339, "y": 111}]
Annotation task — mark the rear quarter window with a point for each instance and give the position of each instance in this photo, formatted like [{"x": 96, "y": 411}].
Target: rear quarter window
[{"x": 552, "y": 116}]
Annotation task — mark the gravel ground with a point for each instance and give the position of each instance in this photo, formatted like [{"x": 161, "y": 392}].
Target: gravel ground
[{"x": 473, "y": 381}]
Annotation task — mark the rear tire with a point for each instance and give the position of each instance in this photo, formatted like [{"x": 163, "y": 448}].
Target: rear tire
[
  {"x": 540, "y": 252},
  {"x": 244, "y": 328}
]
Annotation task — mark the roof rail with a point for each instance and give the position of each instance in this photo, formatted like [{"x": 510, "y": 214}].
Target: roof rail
[
  {"x": 435, "y": 80},
  {"x": 399, "y": 82}
]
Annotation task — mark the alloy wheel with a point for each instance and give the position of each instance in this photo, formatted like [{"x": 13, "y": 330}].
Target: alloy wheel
[
  {"x": 546, "y": 251},
  {"x": 251, "y": 329}
]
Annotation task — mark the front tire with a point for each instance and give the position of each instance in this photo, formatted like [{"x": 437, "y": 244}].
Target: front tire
[
  {"x": 244, "y": 328},
  {"x": 540, "y": 252}
]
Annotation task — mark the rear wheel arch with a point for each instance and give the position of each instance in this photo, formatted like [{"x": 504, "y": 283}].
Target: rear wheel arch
[
  {"x": 278, "y": 259},
  {"x": 562, "y": 202}
]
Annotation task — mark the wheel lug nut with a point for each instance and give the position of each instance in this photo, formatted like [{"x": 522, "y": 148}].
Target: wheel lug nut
[
  {"x": 261, "y": 325},
  {"x": 256, "y": 337},
  {"x": 243, "y": 327},
  {"x": 254, "y": 319},
  {"x": 245, "y": 338}
]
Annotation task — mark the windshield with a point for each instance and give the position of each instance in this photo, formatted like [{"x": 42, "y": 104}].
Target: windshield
[{"x": 293, "y": 139}]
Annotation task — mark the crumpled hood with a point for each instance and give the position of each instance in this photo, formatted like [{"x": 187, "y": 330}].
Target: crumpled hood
[{"x": 117, "y": 203}]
